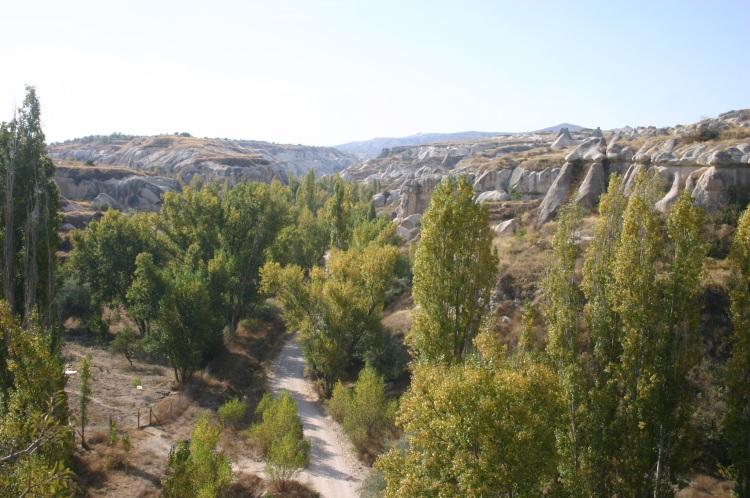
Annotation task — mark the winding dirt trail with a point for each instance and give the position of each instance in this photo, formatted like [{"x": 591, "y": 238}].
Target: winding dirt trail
[{"x": 334, "y": 470}]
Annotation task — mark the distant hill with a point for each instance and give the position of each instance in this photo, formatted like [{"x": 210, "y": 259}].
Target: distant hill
[
  {"x": 556, "y": 128},
  {"x": 368, "y": 149}
]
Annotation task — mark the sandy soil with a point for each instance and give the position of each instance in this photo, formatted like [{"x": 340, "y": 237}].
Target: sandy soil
[{"x": 334, "y": 470}]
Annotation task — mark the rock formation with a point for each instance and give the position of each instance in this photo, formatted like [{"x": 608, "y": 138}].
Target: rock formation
[
  {"x": 119, "y": 188},
  {"x": 210, "y": 159},
  {"x": 563, "y": 140}
]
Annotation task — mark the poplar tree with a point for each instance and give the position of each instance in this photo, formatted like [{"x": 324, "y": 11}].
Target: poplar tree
[
  {"x": 637, "y": 303},
  {"x": 29, "y": 213},
  {"x": 563, "y": 305},
  {"x": 455, "y": 268},
  {"x": 737, "y": 416},
  {"x": 678, "y": 352},
  {"x": 603, "y": 324}
]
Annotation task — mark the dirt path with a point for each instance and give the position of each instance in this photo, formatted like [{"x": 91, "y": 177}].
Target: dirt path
[{"x": 334, "y": 470}]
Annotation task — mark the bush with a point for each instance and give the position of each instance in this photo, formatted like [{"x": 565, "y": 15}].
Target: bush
[
  {"x": 365, "y": 413},
  {"x": 196, "y": 468},
  {"x": 279, "y": 436},
  {"x": 233, "y": 412},
  {"x": 73, "y": 300}
]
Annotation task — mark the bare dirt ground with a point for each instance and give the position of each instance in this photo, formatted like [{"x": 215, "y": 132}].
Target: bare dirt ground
[{"x": 334, "y": 470}]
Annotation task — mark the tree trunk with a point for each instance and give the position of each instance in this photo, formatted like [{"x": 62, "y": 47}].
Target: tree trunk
[
  {"x": 9, "y": 252},
  {"x": 660, "y": 463}
]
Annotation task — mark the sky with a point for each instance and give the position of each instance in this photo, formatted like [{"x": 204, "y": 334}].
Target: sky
[{"x": 327, "y": 72}]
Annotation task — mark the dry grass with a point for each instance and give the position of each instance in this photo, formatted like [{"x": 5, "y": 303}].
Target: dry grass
[{"x": 702, "y": 486}]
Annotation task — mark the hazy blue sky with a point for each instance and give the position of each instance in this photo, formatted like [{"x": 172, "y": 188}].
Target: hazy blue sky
[{"x": 325, "y": 72}]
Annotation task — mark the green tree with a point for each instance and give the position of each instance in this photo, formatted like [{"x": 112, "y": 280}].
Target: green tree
[
  {"x": 603, "y": 324},
  {"x": 149, "y": 285},
  {"x": 338, "y": 209},
  {"x": 737, "y": 416},
  {"x": 36, "y": 440},
  {"x": 189, "y": 328},
  {"x": 194, "y": 217},
  {"x": 302, "y": 242},
  {"x": 638, "y": 304},
  {"x": 337, "y": 311},
  {"x": 127, "y": 344},
  {"x": 253, "y": 214},
  {"x": 679, "y": 346},
  {"x": 485, "y": 427},
  {"x": 308, "y": 195},
  {"x": 104, "y": 257},
  {"x": 659, "y": 316},
  {"x": 563, "y": 305},
  {"x": 455, "y": 268}
]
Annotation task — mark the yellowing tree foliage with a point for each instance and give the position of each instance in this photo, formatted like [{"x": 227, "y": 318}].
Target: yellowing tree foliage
[
  {"x": 485, "y": 427},
  {"x": 455, "y": 268}
]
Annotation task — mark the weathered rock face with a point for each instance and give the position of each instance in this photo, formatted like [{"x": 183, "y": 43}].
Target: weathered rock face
[
  {"x": 126, "y": 188},
  {"x": 556, "y": 195},
  {"x": 222, "y": 160}
]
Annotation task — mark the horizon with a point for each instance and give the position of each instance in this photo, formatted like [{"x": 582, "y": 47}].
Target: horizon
[{"x": 326, "y": 73}]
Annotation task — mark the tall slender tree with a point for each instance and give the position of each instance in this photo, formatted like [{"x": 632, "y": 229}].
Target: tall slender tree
[
  {"x": 563, "y": 306},
  {"x": 455, "y": 268},
  {"x": 29, "y": 213},
  {"x": 603, "y": 324},
  {"x": 737, "y": 417}
]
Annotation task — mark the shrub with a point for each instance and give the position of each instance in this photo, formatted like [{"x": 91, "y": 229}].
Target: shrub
[
  {"x": 233, "y": 412},
  {"x": 279, "y": 436},
  {"x": 366, "y": 411},
  {"x": 196, "y": 468}
]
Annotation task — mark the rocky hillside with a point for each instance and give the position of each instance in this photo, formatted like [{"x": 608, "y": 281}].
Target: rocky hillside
[
  {"x": 711, "y": 158},
  {"x": 111, "y": 187},
  {"x": 211, "y": 159},
  {"x": 368, "y": 149}
]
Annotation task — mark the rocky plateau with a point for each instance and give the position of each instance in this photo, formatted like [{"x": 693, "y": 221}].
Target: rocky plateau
[{"x": 710, "y": 158}]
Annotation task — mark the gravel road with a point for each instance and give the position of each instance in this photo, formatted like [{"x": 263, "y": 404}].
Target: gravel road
[{"x": 334, "y": 470}]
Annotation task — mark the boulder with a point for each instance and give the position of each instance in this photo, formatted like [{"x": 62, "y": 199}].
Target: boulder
[
  {"x": 506, "y": 228},
  {"x": 597, "y": 133},
  {"x": 492, "y": 196},
  {"x": 404, "y": 233},
  {"x": 379, "y": 200},
  {"x": 103, "y": 202},
  {"x": 711, "y": 191},
  {"x": 411, "y": 222},
  {"x": 71, "y": 207},
  {"x": 66, "y": 227}
]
